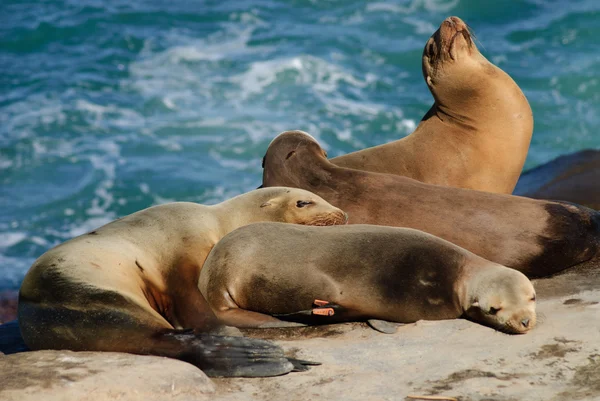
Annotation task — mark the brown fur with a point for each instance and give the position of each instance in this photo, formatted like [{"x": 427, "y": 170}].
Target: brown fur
[
  {"x": 536, "y": 237},
  {"x": 477, "y": 133}
]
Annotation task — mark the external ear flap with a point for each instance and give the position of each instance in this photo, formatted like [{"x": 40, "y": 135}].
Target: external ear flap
[{"x": 265, "y": 204}]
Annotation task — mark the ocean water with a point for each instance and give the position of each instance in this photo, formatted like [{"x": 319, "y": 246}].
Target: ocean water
[{"x": 107, "y": 107}]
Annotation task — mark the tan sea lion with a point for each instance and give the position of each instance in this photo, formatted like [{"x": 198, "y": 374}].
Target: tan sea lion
[
  {"x": 477, "y": 133},
  {"x": 365, "y": 271},
  {"x": 535, "y": 237},
  {"x": 130, "y": 285},
  {"x": 573, "y": 178}
]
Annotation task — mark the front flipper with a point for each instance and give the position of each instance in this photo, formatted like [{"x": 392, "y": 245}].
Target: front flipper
[
  {"x": 384, "y": 326},
  {"x": 248, "y": 319}
]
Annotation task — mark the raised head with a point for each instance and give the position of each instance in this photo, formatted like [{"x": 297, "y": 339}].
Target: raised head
[
  {"x": 289, "y": 155},
  {"x": 502, "y": 298},
  {"x": 452, "y": 64},
  {"x": 293, "y": 205}
]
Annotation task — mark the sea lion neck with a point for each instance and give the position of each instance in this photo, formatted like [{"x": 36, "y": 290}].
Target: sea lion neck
[{"x": 233, "y": 213}]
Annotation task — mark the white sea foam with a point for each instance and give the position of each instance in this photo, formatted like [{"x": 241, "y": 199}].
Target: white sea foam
[
  {"x": 430, "y": 5},
  {"x": 112, "y": 115},
  {"x": 9, "y": 239},
  {"x": 321, "y": 75},
  {"x": 186, "y": 72}
]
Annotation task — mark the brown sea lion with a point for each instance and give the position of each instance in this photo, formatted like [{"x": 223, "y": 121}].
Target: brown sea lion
[
  {"x": 573, "y": 178},
  {"x": 365, "y": 271},
  {"x": 534, "y": 236},
  {"x": 132, "y": 285},
  {"x": 477, "y": 133}
]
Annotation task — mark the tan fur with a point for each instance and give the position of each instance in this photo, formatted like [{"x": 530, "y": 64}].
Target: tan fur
[
  {"x": 477, "y": 133},
  {"x": 152, "y": 259}
]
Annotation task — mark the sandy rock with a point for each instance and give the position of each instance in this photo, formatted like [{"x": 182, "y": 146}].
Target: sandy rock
[
  {"x": 79, "y": 376},
  {"x": 558, "y": 360}
]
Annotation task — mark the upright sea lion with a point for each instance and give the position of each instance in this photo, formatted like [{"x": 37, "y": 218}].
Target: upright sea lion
[
  {"x": 477, "y": 133},
  {"x": 573, "y": 178},
  {"x": 365, "y": 271},
  {"x": 534, "y": 236},
  {"x": 131, "y": 284}
]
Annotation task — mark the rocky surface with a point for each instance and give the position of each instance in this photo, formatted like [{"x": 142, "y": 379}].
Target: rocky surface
[
  {"x": 66, "y": 375},
  {"x": 558, "y": 360}
]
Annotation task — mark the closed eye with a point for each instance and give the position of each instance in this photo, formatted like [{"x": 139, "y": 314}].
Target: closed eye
[
  {"x": 290, "y": 154},
  {"x": 301, "y": 203},
  {"x": 533, "y": 297},
  {"x": 493, "y": 310}
]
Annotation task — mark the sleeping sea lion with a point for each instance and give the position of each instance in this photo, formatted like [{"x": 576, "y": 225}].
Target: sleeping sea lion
[
  {"x": 132, "y": 285},
  {"x": 362, "y": 271},
  {"x": 536, "y": 237}
]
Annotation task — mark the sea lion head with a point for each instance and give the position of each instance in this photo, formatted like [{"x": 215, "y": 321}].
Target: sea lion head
[
  {"x": 292, "y": 154},
  {"x": 294, "y": 205},
  {"x": 503, "y": 299},
  {"x": 451, "y": 62}
]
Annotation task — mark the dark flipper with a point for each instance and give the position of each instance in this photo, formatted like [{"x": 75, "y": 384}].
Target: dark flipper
[
  {"x": 11, "y": 340},
  {"x": 123, "y": 327},
  {"x": 384, "y": 326},
  {"x": 220, "y": 356}
]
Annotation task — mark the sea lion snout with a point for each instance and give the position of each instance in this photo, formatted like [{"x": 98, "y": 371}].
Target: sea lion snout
[
  {"x": 504, "y": 299},
  {"x": 452, "y": 39}
]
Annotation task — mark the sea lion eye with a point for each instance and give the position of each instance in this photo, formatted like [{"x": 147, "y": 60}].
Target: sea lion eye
[
  {"x": 493, "y": 310},
  {"x": 290, "y": 154},
  {"x": 533, "y": 297},
  {"x": 303, "y": 203}
]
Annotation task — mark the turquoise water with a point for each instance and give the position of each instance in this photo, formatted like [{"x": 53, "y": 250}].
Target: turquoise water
[{"x": 107, "y": 107}]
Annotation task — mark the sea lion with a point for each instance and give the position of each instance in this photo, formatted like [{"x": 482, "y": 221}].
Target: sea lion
[
  {"x": 365, "y": 271},
  {"x": 573, "y": 178},
  {"x": 534, "y": 236},
  {"x": 477, "y": 133},
  {"x": 131, "y": 285}
]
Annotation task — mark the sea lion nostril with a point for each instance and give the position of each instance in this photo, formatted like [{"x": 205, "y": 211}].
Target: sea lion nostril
[{"x": 525, "y": 323}]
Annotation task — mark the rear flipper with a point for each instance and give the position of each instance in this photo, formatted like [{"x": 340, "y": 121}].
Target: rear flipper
[
  {"x": 125, "y": 327},
  {"x": 220, "y": 356}
]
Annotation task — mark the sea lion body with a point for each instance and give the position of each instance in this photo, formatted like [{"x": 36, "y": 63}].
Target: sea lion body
[
  {"x": 536, "y": 237},
  {"x": 129, "y": 284},
  {"x": 370, "y": 272},
  {"x": 477, "y": 133},
  {"x": 572, "y": 178}
]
